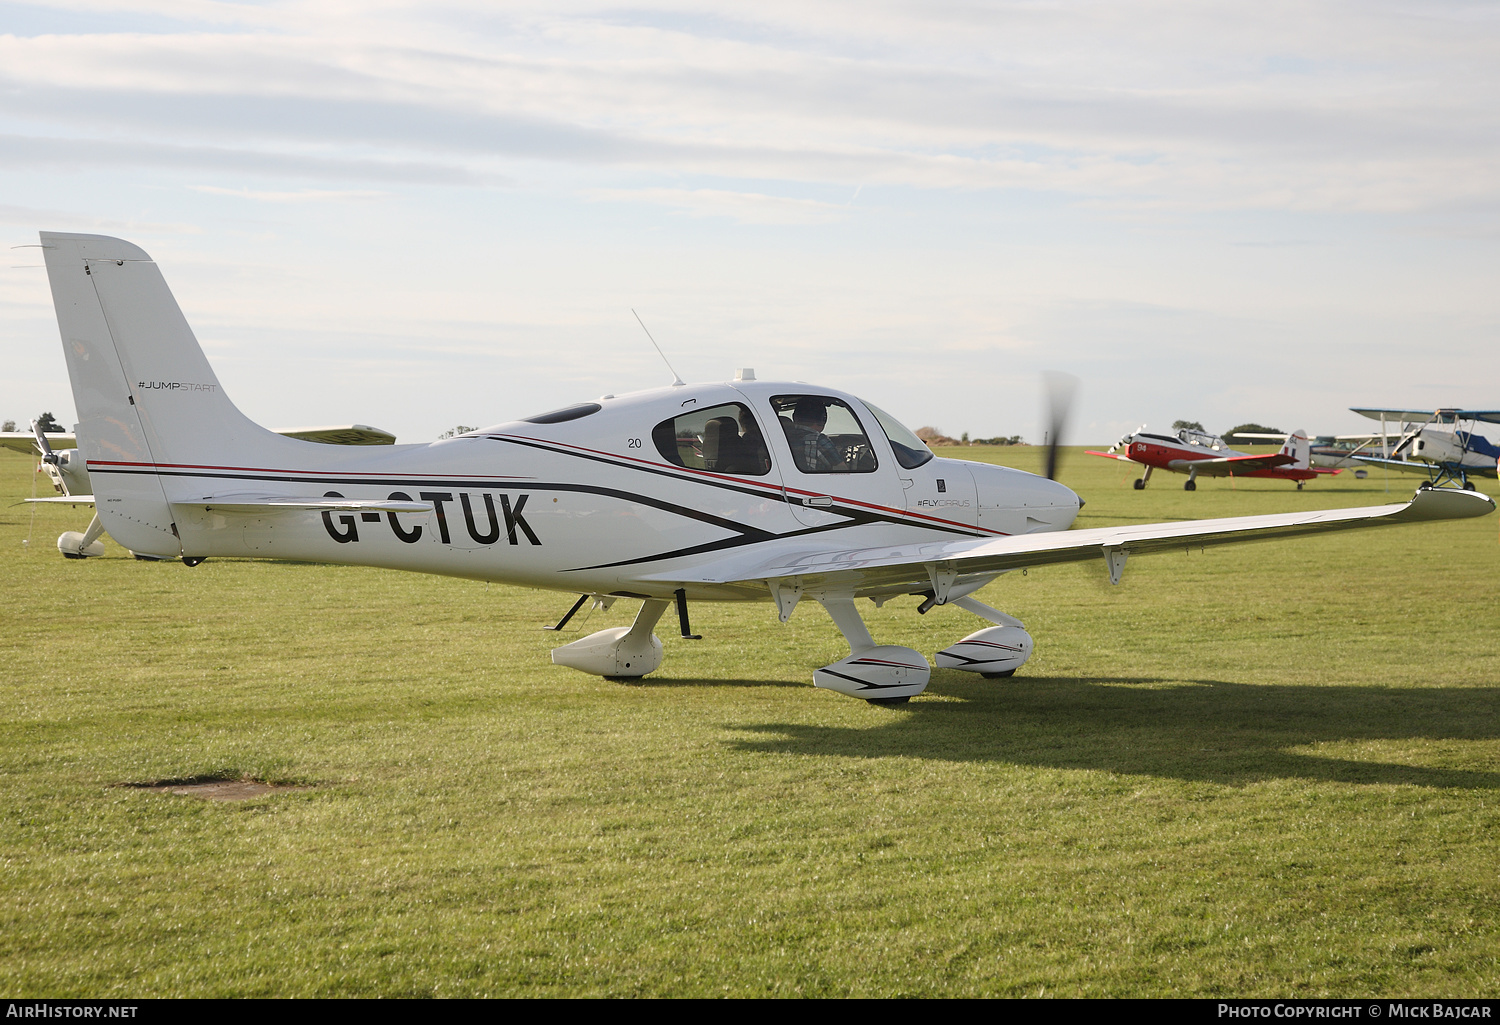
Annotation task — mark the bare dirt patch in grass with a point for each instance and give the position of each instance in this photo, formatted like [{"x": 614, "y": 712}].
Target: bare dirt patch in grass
[{"x": 214, "y": 789}]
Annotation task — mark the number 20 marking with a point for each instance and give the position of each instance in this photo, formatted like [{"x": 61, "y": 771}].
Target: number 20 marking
[{"x": 633, "y": 443}]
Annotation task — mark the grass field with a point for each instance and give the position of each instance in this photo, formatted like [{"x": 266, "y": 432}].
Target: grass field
[{"x": 1261, "y": 770}]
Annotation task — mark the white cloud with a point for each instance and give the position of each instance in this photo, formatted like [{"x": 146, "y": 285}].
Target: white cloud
[
  {"x": 1059, "y": 183},
  {"x": 744, "y": 207},
  {"x": 1343, "y": 106},
  {"x": 298, "y": 196}
]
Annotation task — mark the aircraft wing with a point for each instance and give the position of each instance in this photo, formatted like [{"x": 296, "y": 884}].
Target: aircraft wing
[
  {"x": 1446, "y": 416},
  {"x": 1109, "y": 455},
  {"x": 25, "y": 441},
  {"x": 1426, "y": 469},
  {"x": 925, "y": 566},
  {"x": 244, "y": 502},
  {"x": 1227, "y": 466},
  {"x": 1398, "y": 415}
]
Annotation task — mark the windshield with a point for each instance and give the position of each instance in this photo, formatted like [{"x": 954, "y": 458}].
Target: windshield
[{"x": 910, "y": 452}]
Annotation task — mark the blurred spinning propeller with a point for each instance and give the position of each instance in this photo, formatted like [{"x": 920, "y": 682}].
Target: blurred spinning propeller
[{"x": 1061, "y": 388}]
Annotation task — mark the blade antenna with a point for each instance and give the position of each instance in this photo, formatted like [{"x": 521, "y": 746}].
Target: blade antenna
[{"x": 677, "y": 382}]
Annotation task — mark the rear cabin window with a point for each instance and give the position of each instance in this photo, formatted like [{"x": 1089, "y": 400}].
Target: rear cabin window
[
  {"x": 824, "y": 434},
  {"x": 721, "y": 439}
]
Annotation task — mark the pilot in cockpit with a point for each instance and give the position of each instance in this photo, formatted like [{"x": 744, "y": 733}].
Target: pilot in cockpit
[{"x": 812, "y": 451}]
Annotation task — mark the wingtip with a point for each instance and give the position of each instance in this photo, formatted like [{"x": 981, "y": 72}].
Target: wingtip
[
  {"x": 1447, "y": 504},
  {"x": 95, "y": 247}
]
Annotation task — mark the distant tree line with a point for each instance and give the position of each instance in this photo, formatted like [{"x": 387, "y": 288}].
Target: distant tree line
[
  {"x": 935, "y": 436},
  {"x": 47, "y": 422}
]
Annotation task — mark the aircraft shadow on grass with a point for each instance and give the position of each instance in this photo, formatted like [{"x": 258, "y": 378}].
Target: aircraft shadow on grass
[
  {"x": 1207, "y": 731},
  {"x": 655, "y": 682}
]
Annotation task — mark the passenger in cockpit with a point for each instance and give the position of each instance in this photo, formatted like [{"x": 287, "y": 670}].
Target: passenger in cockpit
[
  {"x": 757, "y": 460},
  {"x": 811, "y": 449}
]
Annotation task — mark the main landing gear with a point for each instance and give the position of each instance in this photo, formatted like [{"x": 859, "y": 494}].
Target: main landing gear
[
  {"x": 87, "y": 545},
  {"x": 1192, "y": 481},
  {"x": 1140, "y": 485},
  {"x": 622, "y": 652},
  {"x": 882, "y": 674}
]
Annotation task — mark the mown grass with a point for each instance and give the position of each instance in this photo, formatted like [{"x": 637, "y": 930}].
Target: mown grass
[{"x": 1269, "y": 769}]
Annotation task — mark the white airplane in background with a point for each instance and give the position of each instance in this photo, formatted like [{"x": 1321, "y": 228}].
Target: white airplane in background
[
  {"x": 740, "y": 491},
  {"x": 70, "y": 477}
]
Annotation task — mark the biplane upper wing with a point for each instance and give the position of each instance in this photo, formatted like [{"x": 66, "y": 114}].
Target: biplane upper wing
[
  {"x": 1442, "y": 416},
  {"x": 925, "y": 566}
]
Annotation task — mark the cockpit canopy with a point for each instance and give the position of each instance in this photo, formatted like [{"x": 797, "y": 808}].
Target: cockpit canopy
[{"x": 1200, "y": 438}]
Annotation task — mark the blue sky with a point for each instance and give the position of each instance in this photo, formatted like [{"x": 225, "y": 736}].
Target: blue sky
[{"x": 418, "y": 215}]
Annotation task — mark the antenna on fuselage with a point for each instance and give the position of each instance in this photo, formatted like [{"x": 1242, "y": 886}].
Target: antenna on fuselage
[{"x": 677, "y": 382}]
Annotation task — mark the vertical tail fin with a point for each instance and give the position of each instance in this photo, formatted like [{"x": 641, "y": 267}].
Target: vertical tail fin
[
  {"x": 1299, "y": 448},
  {"x": 145, "y": 395}
]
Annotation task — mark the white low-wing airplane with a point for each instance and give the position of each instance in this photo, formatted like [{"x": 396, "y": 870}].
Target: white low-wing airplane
[{"x": 741, "y": 491}]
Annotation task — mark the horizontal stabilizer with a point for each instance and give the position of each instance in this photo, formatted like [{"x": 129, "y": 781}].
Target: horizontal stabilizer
[
  {"x": 64, "y": 500},
  {"x": 346, "y": 434},
  {"x": 247, "y": 503}
]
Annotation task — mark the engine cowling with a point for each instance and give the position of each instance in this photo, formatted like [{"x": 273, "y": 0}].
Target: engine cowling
[{"x": 993, "y": 651}]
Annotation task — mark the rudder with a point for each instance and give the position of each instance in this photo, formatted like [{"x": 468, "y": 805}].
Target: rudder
[
  {"x": 1299, "y": 448},
  {"x": 145, "y": 394}
]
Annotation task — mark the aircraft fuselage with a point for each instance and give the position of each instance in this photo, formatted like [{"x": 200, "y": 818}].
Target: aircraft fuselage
[{"x": 593, "y": 503}]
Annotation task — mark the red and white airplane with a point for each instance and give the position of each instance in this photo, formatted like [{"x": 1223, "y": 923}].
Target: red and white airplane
[
  {"x": 744, "y": 490},
  {"x": 1198, "y": 454}
]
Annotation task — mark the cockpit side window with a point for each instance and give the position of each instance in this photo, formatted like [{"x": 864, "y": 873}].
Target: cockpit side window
[
  {"x": 910, "y": 450},
  {"x": 720, "y": 439},
  {"x": 824, "y": 434}
]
